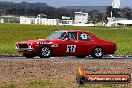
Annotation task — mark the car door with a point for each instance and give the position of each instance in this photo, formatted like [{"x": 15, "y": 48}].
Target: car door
[
  {"x": 71, "y": 44},
  {"x": 85, "y": 43},
  {"x": 67, "y": 46}
]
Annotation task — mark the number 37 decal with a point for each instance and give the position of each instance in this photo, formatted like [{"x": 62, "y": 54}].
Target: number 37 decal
[{"x": 71, "y": 48}]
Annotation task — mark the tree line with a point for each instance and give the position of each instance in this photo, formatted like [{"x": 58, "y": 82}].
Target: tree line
[{"x": 33, "y": 9}]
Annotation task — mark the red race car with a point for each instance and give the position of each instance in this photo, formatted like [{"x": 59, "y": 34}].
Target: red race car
[{"x": 77, "y": 43}]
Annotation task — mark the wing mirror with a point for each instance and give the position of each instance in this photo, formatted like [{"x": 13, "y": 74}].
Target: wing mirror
[{"x": 90, "y": 39}]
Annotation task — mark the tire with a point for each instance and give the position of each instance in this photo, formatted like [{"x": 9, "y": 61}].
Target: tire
[
  {"x": 81, "y": 80},
  {"x": 28, "y": 55},
  {"x": 80, "y": 56},
  {"x": 97, "y": 52},
  {"x": 45, "y": 52}
]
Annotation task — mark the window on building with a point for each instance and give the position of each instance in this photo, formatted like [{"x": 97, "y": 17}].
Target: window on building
[{"x": 84, "y": 14}]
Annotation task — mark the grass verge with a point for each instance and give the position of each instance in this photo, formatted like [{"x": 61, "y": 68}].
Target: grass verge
[{"x": 61, "y": 84}]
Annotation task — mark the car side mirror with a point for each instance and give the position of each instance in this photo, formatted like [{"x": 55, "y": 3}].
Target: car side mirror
[{"x": 91, "y": 39}]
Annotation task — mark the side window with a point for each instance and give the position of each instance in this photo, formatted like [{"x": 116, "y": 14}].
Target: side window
[
  {"x": 84, "y": 36},
  {"x": 61, "y": 35},
  {"x": 72, "y": 35}
]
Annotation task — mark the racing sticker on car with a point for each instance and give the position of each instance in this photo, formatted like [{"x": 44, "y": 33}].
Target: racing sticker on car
[
  {"x": 84, "y": 36},
  {"x": 71, "y": 48},
  {"x": 44, "y": 43}
]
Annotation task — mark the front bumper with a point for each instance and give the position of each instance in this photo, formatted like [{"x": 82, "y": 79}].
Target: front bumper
[{"x": 25, "y": 49}]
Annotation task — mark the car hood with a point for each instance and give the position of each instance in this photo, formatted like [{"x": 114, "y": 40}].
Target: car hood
[{"x": 34, "y": 41}]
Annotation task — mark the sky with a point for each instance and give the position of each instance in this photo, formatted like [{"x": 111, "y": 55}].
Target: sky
[{"x": 60, "y": 3}]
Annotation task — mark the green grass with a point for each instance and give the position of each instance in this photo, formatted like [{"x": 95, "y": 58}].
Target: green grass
[
  {"x": 12, "y": 33},
  {"x": 62, "y": 84}
]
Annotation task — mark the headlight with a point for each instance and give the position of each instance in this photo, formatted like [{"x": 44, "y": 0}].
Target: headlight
[
  {"x": 16, "y": 46},
  {"x": 30, "y": 46}
]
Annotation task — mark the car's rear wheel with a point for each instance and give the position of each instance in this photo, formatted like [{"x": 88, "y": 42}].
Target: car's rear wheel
[
  {"x": 45, "y": 52},
  {"x": 28, "y": 55},
  {"x": 97, "y": 52}
]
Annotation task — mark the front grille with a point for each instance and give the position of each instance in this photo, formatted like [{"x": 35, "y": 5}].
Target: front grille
[{"x": 23, "y": 46}]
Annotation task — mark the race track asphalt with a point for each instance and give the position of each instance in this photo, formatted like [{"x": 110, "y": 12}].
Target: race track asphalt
[{"x": 67, "y": 58}]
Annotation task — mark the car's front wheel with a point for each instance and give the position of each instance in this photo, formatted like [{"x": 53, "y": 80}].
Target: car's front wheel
[
  {"x": 97, "y": 52},
  {"x": 45, "y": 52}
]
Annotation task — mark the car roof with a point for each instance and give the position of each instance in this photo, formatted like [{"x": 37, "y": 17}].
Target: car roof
[{"x": 73, "y": 31}]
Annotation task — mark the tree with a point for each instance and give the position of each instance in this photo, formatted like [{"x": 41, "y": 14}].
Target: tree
[
  {"x": 94, "y": 16},
  {"x": 104, "y": 18},
  {"x": 125, "y": 12},
  {"x": 108, "y": 11}
]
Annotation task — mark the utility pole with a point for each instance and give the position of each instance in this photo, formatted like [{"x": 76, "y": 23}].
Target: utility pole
[{"x": 116, "y": 5}]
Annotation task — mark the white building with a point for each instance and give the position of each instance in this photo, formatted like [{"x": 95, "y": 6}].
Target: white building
[
  {"x": 1, "y": 20},
  {"x": 41, "y": 19},
  {"x": 112, "y": 21},
  {"x": 124, "y": 22},
  {"x": 66, "y": 21},
  {"x": 26, "y": 20},
  {"x": 44, "y": 21},
  {"x": 50, "y": 21},
  {"x": 81, "y": 18}
]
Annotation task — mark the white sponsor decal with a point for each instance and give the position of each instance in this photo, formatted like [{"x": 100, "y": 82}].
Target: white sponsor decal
[
  {"x": 55, "y": 45},
  {"x": 84, "y": 36},
  {"x": 44, "y": 42},
  {"x": 71, "y": 48}
]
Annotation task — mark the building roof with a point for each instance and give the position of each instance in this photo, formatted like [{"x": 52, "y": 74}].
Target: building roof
[
  {"x": 80, "y": 13},
  {"x": 124, "y": 22}
]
